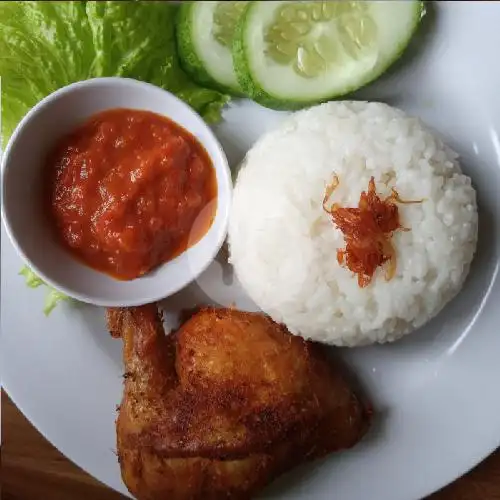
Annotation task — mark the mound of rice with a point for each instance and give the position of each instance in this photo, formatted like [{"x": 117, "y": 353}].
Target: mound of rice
[{"x": 283, "y": 245}]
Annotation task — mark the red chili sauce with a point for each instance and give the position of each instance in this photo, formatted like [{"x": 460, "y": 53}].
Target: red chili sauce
[{"x": 129, "y": 190}]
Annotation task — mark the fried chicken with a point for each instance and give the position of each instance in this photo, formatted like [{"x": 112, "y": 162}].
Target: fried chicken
[{"x": 224, "y": 405}]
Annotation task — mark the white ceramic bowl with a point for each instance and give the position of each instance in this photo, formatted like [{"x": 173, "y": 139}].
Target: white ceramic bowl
[{"x": 27, "y": 225}]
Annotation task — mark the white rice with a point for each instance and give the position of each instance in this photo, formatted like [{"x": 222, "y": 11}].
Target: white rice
[{"x": 283, "y": 245}]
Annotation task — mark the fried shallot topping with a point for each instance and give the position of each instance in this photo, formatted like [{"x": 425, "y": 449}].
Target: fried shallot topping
[{"x": 367, "y": 231}]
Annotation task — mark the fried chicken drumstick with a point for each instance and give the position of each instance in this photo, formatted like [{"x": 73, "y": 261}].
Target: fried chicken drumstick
[{"x": 224, "y": 405}]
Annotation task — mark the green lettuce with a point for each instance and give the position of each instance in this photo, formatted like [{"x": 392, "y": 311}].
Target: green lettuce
[
  {"x": 45, "y": 45},
  {"x": 53, "y": 296}
]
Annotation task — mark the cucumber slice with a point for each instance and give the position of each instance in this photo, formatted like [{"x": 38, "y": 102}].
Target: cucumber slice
[
  {"x": 291, "y": 54},
  {"x": 204, "y": 38}
]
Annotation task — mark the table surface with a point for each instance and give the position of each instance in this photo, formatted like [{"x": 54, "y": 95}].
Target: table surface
[{"x": 32, "y": 469}]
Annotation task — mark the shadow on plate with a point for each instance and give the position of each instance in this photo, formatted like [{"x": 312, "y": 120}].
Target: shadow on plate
[
  {"x": 206, "y": 290},
  {"x": 217, "y": 286},
  {"x": 426, "y": 31},
  {"x": 95, "y": 321},
  {"x": 392, "y": 87}
]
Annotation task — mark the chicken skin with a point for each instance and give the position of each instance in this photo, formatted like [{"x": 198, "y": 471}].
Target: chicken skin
[{"x": 221, "y": 407}]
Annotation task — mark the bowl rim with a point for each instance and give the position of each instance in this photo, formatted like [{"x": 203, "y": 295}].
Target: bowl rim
[{"x": 226, "y": 193}]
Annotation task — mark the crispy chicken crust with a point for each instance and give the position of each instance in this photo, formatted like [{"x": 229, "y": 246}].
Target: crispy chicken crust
[{"x": 221, "y": 407}]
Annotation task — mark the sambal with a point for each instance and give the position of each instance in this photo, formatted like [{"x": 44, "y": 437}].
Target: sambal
[{"x": 129, "y": 190}]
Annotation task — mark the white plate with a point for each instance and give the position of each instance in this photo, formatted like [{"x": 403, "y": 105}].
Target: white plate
[{"x": 436, "y": 392}]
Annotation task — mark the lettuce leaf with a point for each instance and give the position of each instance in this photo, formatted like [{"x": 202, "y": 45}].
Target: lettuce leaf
[
  {"x": 146, "y": 50},
  {"x": 45, "y": 45},
  {"x": 52, "y": 298}
]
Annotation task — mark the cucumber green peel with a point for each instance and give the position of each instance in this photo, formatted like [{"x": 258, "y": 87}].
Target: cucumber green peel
[
  {"x": 288, "y": 55},
  {"x": 204, "y": 39}
]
